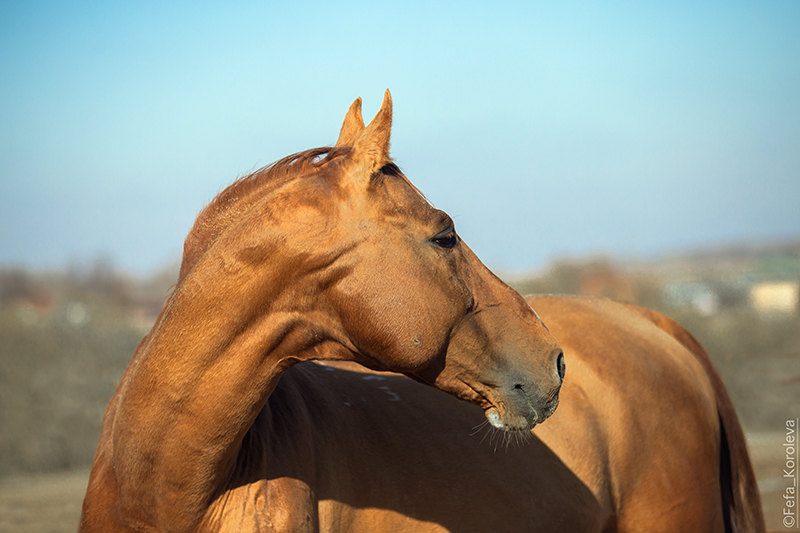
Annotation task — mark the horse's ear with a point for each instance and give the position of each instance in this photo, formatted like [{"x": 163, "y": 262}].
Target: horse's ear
[
  {"x": 371, "y": 148},
  {"x": 352, "y": 126}
]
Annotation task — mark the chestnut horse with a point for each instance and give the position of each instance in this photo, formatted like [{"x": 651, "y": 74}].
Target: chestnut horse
[
  {"x": 324, "y": 256},
  {"x": 327, "y": 254}
]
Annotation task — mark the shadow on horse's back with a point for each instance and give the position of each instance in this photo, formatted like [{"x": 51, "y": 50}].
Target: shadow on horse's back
[{"x": 378, "y": 452}]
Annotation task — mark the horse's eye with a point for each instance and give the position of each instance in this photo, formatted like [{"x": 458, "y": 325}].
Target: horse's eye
[{"x": 445, "y": 239}]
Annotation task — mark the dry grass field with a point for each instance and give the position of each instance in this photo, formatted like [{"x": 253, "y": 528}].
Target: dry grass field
[{"x": 42, "y": 503}]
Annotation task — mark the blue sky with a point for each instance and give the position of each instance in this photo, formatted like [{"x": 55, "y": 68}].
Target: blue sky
[{"x": 544, "y": 129}]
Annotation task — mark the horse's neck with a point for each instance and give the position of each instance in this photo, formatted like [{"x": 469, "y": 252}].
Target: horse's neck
[{"x": 193, "y": 389}]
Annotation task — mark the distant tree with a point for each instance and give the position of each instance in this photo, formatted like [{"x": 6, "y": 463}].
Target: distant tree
[{"x": 15, "y": 284}]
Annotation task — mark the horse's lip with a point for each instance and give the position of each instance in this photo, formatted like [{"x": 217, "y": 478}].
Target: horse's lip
[
  {"x": 496, "y": 420},
  {"x": 482, "y": 401},
  {"x": 492, "y": 411}
]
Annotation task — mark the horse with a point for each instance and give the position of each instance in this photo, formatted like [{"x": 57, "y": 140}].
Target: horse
[
  {"x": 326, "y": 254},
  {"x": 226, "y": 420}
]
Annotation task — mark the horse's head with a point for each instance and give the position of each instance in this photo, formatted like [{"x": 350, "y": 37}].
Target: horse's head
[
  {"x": 417, "y": 300},
  {"x": 380, "y": 276}
]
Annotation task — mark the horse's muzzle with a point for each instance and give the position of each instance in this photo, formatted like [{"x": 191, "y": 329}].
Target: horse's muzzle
[{"x": 519, "y": 403}]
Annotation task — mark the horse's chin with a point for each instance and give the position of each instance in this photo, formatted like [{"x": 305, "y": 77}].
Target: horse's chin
[{"x": 511, "y": 423}]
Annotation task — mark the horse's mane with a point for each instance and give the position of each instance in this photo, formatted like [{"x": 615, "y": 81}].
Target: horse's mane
[{"x": 235, "y": 199}]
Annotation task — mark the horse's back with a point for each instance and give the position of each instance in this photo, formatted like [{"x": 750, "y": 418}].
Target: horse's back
[{"x": 649, "y": 408}]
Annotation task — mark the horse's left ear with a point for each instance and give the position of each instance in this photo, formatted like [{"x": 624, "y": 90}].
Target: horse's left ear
[
  {"x": 352, "y": 126},
  {"x": 371, "y": 148}
]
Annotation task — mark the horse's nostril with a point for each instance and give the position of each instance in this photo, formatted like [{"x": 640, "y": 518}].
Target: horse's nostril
[
  {"x": 561, "y": 366},
  {"x": 518, "y": 386}
]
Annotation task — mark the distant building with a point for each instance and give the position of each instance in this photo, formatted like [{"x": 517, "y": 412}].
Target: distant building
[{"x": 770, "y": 297}]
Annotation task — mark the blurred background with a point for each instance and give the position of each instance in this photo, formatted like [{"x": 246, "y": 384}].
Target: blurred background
[{"x": 641, "y": 151}]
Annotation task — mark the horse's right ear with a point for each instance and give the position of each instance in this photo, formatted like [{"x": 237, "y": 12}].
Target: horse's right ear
[
  {"x": 371, "y": 148},
  {"x": 352, "y": 126}
]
